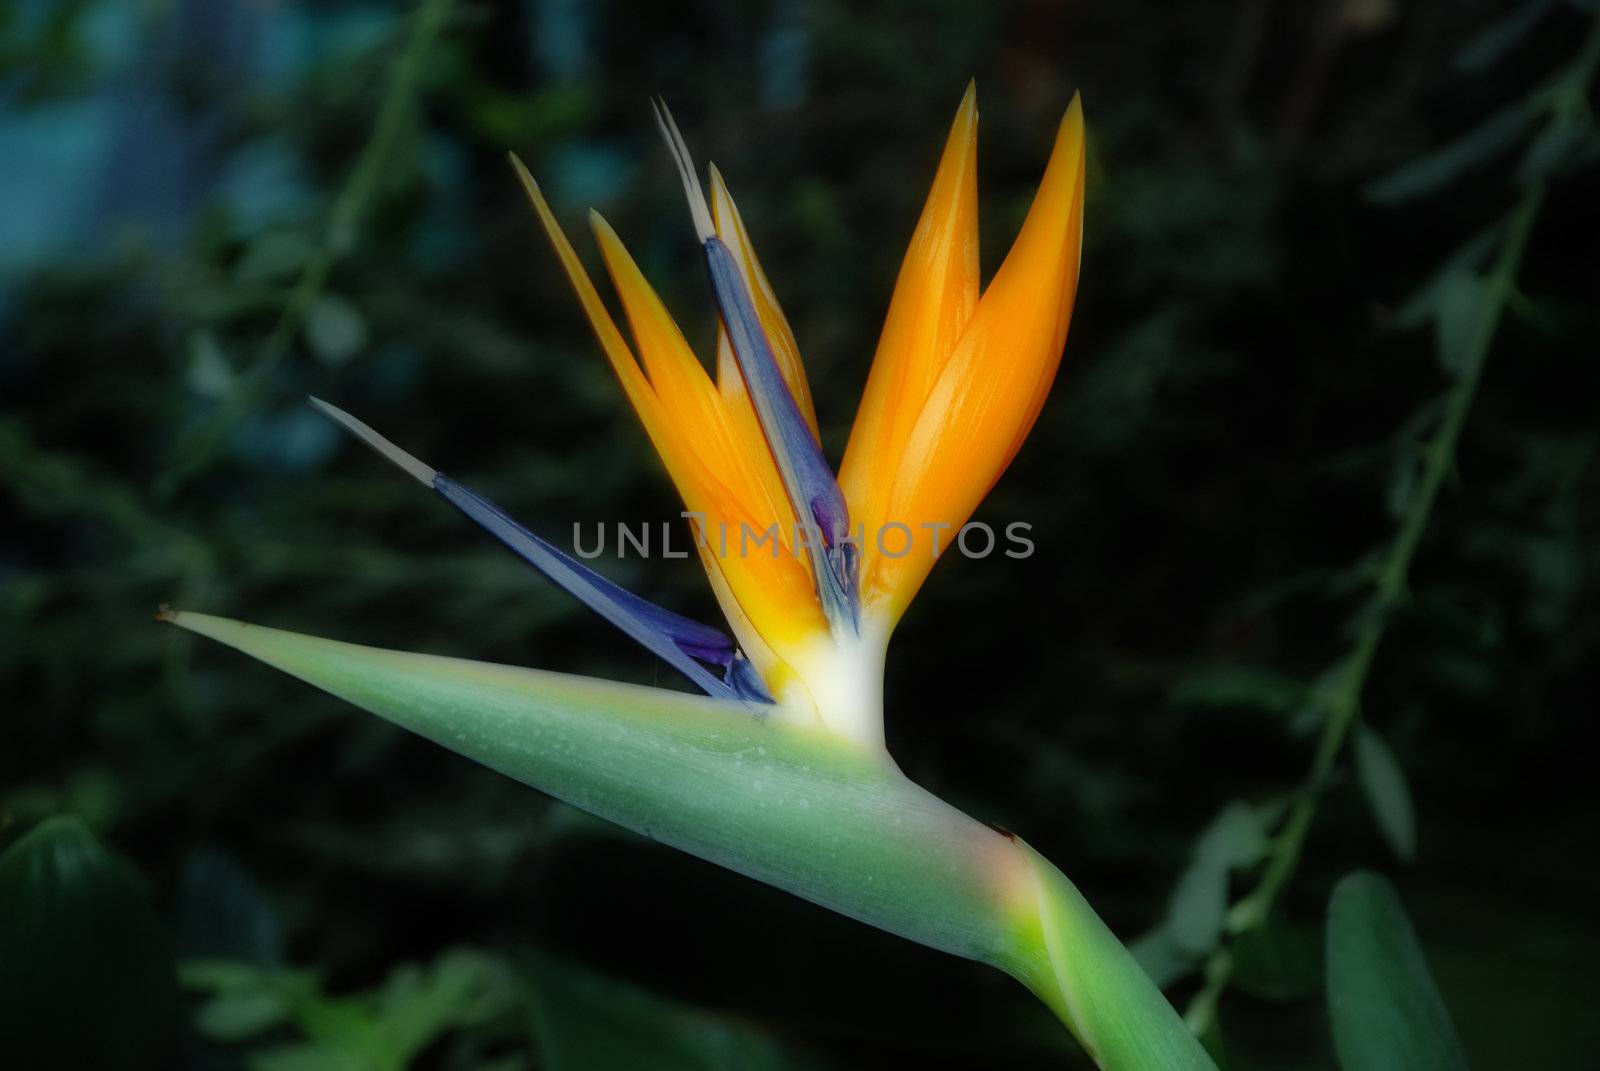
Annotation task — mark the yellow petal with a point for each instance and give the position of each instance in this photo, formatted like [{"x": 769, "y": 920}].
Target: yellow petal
[
  {"x": 934, "y": 298},
  {"x": 990, "y": 388},
  {"x": 715, "y": 455},
  {"x": 731, "y": 478}
]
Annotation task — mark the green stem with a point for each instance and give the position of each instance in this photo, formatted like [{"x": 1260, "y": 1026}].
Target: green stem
[
  {"x": 1391, "y": 587},
  {"x": 196, "y": 448},
  {"x": 1344, "y": 705}
]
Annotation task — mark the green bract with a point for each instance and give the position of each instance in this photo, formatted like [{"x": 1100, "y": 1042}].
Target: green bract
[{"x": 795, "y": 807}]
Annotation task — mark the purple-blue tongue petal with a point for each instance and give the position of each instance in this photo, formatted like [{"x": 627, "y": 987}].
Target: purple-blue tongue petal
[
  {"x": 643, "y": 620},
  {"x": 813, "y": 492},
  {"x": 680, "y": 642},
  {"x": 807, "y": 480}
]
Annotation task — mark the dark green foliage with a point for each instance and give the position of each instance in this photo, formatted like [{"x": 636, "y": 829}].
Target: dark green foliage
[
  {"x": 584, "y": 1021},
  {"x": 1386, "y": 1010},
  {"x": 86, "y": 975},
  {"x": 1383, "y": 781},
  {"x": 386, "y": 1029},
  {"x": 1260, "y": 357}
]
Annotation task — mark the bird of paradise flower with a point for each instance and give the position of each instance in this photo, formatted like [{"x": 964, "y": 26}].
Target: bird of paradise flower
[{"x": 781, "y": 772}]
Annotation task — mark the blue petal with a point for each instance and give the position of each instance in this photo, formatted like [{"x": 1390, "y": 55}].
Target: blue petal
[
  {"x": 809, "y": 482},
  {"x": 671, "y": 636},
  {"x": 680, "y": 642},
  {"x": 746, "y": 681}
]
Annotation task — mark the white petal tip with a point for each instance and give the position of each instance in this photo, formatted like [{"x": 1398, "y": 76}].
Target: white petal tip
[
  {"x": 685, "y": 164},
  {"x": 419, "y": 471}
]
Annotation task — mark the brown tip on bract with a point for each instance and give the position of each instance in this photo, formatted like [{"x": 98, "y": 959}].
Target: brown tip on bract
[{"x": 165, "y": 612}]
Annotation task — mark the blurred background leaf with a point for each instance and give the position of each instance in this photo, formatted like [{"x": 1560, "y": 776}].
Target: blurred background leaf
[
  {"x": 1386, "y": 1010},
  {"x": 86, "y": 976},
  {"x": 585, "y": 1021},
  {"x": 1383, "y": 782}
]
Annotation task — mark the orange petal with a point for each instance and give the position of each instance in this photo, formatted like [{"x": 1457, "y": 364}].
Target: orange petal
[
  {"x": 990, "y": 389},
  {"x": 716, "y": 456},
  {"x": 728, "y": 456},
  {"x": 934, "y": 298}
]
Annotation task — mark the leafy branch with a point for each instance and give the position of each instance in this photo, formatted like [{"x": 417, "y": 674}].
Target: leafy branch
[
  {"x": 1464, "y": 350},
  {"x": 350, "y": 207}
]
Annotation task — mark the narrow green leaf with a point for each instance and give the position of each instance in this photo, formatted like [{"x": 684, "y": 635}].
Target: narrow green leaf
[
  {"x": 1383, "y": 782},
  {"x": 1501, "y": 36},
  {"x": 1461, "y": 300},
  {"x": 221, "y": 976},
  {"x": 1439, "y": 168},
  {"x": 585, "y": 1021},
  {"x": 1236, "y": 837},
  {"x": 419, "y": 1004},
  {"x": 1199, "y": 902},
  {"x": 1386, "y": 1011},
  {"x": 1402, "y": 482},
  {"x": 1243, "y": 686},
  {"x": 1565, "y": 141},
  {"x": 1422, "y": 306},
  {"x": 275, "y": 256},
  {"x": 209, "y": 375},
  {"x": 234, "y": 1017},
  {"x": 86, "y": 980}
]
